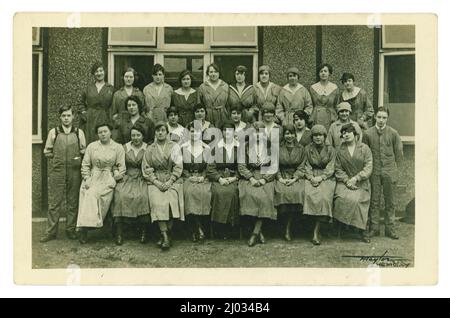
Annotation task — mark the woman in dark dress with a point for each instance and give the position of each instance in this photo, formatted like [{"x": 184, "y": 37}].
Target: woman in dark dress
[
  {"x": 290, "y": 184},
  {"x": 224, "y": 177},
  {"x": 302, "y": 132},
  {"x": 95, "y": 103},
  {"x": 243, "y": 94},
  {"x": 185, "y": 98}
]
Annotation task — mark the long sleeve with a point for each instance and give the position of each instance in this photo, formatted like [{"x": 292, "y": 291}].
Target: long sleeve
[
  {"x": 120, "y": 167},
  {"x": 398, "y": 147},
  {"x": 211, "y": 172},
  {"x": 177, "y": 159},
  {"x": 82, "y": 138},
  {"x": 308, "y": 170},
  {"x": 329, "y": 170},
  {"x": 300, "y": 171},
  {"x": 341, "y": 174},
  {"x": 147, "y": 171},
  {"x": 365, "y": 173},
  {"x": 269, "y": 177},
  {"x": 279, "y": 110},
  {"x": 86, "y": 164},
  {"x": 308, "y": 102},
  {"x": 48, "y": 150},
  {"x": 244, "y": 171}
]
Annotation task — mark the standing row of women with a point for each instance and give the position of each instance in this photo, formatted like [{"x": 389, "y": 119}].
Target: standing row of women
[{"x": 100, "y": 103}]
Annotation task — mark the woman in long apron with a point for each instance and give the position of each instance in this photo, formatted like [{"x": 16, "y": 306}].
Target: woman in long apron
[
  {"x": 290, "y": 183},
  {"x": 256, "y": 187},
  {"x": 196, "y": 186},
  {"x": 353, "y": 170},
  {"x": 102, "y": 167},
  {"x": 265, "y": 90},
  {"x": 162, "y": 167},
  {"x": 243, "y": 94},
  {"x": 320, "y": 181},
  {"x": 158, "y": 95}
]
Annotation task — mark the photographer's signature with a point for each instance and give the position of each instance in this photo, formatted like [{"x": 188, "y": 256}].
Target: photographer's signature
[{"x": 383, "y": 260}]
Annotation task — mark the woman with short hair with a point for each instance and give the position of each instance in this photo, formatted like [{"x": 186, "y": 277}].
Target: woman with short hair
[
  {"x": 185, "y": 98},
  {"x": 158, "y": 95},
  {"x": 243, "y": 94},
  {"x": 265, "y": 90}
]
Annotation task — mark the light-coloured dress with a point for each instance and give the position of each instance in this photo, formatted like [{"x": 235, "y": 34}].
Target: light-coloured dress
[
  {"x": 157, "y": 101},
  {"x": 292, "y": 100},
  {"x": 319, "y": 162},
  {"x": 131, "y": 195},
  {"x": 334, "y": 133},
  {"x": 100, "y": 164},
  {"x": 215, "y": 101},
  {"x": 268, "y": 95},
  {"x": 352, "y": 206},
  {"x": 163, "y": 163}
]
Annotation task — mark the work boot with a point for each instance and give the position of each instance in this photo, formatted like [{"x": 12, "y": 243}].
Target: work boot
[
  {"x": 83, "y": 236},
  {"x": 390, "y": 232},
  {"x": 47, "y": 237},
  {"x": 165, "y": 241},
  {"x": 252, "y": 240}
]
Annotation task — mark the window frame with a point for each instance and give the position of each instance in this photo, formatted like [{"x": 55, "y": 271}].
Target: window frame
[
  {"x": 111, "y": 62},
  {"x": 37, "y": 138},
  {"x": 255, "y": 61},
  {"x": 36, "y": 42},
  {"x": 162, "y": 45},
  {"x": 131, "y": 43},
  {"x": 381, "y": 79},
  {"x": 394, "y": 45},
  {"x": 253, "y": 43}
]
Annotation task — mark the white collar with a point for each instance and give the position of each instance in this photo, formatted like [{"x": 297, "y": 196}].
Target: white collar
[
  {"x": 240, "y": 93},
  {"x": 216, "y": 86},
  {"x": 287, "y": 87},
  {"x": 176, "y": 129},
  {"x": 180, "y": 91},
  {"x": 67, "y": 129},
  {"x": 324, "y": 90},
  {"x": 379, "y": 129},
  {"x": 346, "y": 95},
  {"x": 241, "y": 126},
  {"x": 136, "y": 151}
]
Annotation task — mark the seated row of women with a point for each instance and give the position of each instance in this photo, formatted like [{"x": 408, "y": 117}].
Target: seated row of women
[{"x": 164, "y": 180}]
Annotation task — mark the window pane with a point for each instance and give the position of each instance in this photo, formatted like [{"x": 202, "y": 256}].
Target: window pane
[
  {"x": 399, "y": 92},
  {"x": 35, "y": 94},
  {"x": 227, "y": 64},
  {"x": 35, "y": 36},
  {"x": 174, "y": 65},
  {"x": 234, "y": 36},
  {"x": 399, "y": 34},
  {"x": 400, "y": 79},
  {"x": 132, "y": 36},
  {"x": 193, "y": 35},
  {"x": 142, "y": 64}
]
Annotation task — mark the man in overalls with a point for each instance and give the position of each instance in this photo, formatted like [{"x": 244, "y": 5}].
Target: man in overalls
[{"x": 65, "y": 146}]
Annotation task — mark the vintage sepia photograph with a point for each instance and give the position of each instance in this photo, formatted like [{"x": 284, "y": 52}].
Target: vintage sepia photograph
[{"x": 175, "y": 146}]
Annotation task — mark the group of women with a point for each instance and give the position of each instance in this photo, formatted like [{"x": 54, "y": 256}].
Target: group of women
[{"x": 149, "y": 162}]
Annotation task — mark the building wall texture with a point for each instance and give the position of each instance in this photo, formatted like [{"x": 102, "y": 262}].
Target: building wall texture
[
  {"x": 71, "y": 53},
  {"x": 350, "y": 49},
  {"x": 286, "y": 46}
]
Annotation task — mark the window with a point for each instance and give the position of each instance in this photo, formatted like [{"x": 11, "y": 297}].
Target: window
[
  {"x": 36, "y": 36},
  {"x": 142, "y": 64},
  {"x": 397, "y": 90},
  {"x": 179, "y": 48},
  {"x": 192, "y": 35},
  {"x": 36, "y": 117},
  {"x": 175, "y": 64},
  {"x": 398, "y": 36},
  {"x": 132, "y": 36},
  {"x": 228, "y": 63}
]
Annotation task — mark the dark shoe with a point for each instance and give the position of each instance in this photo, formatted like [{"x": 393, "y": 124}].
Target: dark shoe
[
  {"x": 252, "y": 240},
  {"x": 391, "y": 234},
  {"x": 194, "y": 237},
  {"x": 365, "y": 238},
  {"x": 119, "y": 236},
  {"x": 165, "y": 241},
  {"x": 83, "y": 237},
  {"x": 262, "y": 240},
  {"x": 72, "y": 235},
  {"x": 160, "y": 241},
  {"x": 143, "y": 238},
  {"x": 47, "y": 238},
  {"x": 374, "y": 232}
]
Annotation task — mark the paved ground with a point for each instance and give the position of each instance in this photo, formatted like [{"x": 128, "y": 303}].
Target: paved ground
[{"x": 101, "y": 251}]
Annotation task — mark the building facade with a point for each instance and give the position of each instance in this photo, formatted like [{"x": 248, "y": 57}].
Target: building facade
[{"x": 382, "y": 60}]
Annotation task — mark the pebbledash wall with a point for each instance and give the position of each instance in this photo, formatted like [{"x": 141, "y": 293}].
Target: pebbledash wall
[{"x": 69, "y": 53}]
